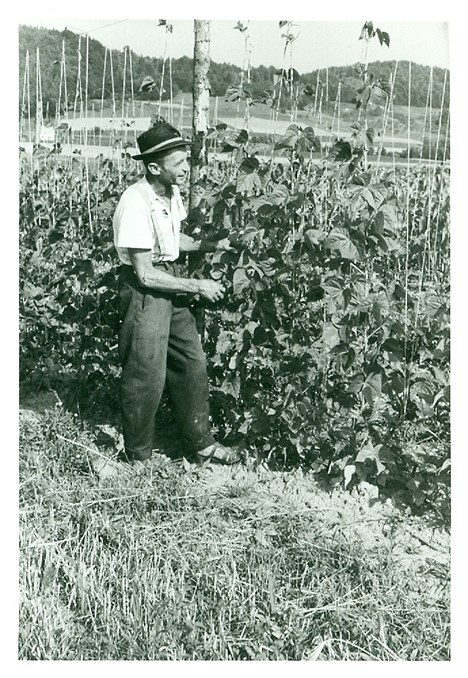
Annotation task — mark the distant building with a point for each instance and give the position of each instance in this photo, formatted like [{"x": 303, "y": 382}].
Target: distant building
[{"x": 47, "y": 134}]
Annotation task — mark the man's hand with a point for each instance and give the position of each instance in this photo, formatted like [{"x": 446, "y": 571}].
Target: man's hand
[
  {"x": 224, "y": 245},
  {"x": 189, "y": 244},
  {"x": 210, "y": 289}
]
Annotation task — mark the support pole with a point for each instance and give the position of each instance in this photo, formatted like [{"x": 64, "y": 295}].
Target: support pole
[
  {"x": 38, "y": 98},
  {"x": 201, "y": 102},
  {"x": 201, "y": 105}
]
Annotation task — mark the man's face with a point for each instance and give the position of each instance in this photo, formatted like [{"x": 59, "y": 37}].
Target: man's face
[{"x": 173, "y": 168}]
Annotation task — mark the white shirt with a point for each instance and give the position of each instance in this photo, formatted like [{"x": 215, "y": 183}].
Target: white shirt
[{"x": 143, "y": 220}]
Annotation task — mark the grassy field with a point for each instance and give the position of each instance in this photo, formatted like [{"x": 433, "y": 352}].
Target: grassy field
[
  {"x": 325, "y": 122},
  {"x": 175, "y": 561},
  {"x": 220, "y": 109}
]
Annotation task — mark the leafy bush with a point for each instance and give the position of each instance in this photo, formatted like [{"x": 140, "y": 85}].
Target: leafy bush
[
  {"x": 68, "y": 311},
  {"x": 331, "y": 349}
]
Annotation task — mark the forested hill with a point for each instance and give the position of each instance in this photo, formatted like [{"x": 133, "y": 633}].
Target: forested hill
[{"x": 222, "y": 75}]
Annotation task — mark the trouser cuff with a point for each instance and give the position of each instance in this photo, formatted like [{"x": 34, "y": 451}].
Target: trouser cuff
[{"x": 206, "y": 441}]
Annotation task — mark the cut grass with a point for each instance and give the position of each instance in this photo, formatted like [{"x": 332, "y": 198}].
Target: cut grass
[{"x": 180, "y": 562}]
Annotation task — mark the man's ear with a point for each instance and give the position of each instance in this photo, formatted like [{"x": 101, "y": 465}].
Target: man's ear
[{"x": 154, "y": 168}]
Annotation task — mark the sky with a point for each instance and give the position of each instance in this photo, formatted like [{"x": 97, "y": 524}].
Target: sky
[{"x": 318, "y": 43}]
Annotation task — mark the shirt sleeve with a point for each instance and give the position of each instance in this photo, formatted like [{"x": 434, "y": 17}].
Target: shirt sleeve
[{"x": 132, "y": 226}]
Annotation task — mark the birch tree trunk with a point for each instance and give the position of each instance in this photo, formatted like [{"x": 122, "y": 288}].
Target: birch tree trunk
[
  {"x": 201, "y": 102},
  {"x": 201, "y": 105}
]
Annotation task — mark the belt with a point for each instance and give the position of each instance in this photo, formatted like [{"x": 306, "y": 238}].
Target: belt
[{"x": 127, "y": 272}]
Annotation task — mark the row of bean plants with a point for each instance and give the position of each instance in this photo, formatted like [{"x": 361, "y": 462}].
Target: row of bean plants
[{"x": 331, "y": 348}]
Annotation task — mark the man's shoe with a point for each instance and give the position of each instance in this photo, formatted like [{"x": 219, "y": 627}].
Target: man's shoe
[{"x": 219, "y": 454}]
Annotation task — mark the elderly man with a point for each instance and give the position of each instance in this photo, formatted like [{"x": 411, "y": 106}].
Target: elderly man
[{"x": 158, "y": 341}]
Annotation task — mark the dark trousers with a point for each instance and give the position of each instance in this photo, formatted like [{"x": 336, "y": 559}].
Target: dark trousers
[{"x": 159, "y": 345}]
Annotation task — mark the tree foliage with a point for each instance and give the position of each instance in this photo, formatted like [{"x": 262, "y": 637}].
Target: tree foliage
[{"x": 263, "y": 78}]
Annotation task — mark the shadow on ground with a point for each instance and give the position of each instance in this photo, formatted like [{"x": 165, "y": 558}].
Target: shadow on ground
[{"x": 103, "y": 424}]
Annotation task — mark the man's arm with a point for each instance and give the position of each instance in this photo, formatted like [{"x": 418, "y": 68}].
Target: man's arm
[{"x": 155, "y": 279}]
